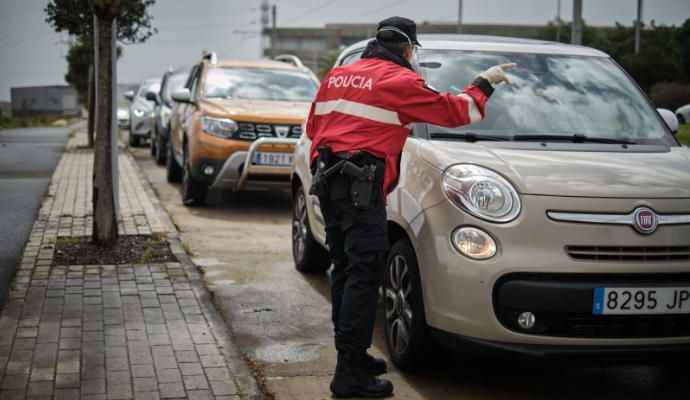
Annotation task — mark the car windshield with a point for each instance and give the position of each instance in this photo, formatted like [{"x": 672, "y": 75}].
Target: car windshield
[
  {"x": 549, "y": 96},
  {"x": 259, "y": 84},
  {"x": 146, "y": 87},
  {"x": 173, "y": 83}
]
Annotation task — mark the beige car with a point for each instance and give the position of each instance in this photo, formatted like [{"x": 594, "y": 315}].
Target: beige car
[{"x": 558, "y": 225}]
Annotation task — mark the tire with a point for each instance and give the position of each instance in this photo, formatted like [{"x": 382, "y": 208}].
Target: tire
[
  {"x": 173, "y": 172},
  {"x": 407, "y": 335},
  {"x": 193, "y": 193},
  {"x": 152, "y": 144},
  {"x": 681, "y": 119},
  {"x": 133, "y": 140},
  {"x": 161, "y": 150},
  {"x": 309, "y": 256}
]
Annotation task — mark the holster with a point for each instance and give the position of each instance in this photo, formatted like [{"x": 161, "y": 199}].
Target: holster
[
  {"x": 320, "y": 172},
  {"x": 365, "y": 179}
]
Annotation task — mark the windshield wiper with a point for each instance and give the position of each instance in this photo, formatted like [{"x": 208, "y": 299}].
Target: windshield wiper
[
  {"x": 467, "y": 136},
  {"x": 576, "y": 138}
]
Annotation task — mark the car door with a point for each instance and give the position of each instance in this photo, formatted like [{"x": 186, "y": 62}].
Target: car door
[{"x": 184, "y": 113}]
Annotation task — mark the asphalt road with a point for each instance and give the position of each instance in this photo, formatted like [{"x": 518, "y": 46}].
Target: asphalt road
[
  {"x": 28, "y": 158},
  {"x": 281, "y": 318}
]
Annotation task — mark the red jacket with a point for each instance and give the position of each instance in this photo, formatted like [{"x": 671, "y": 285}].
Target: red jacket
[{"x": 370, "y": 105}]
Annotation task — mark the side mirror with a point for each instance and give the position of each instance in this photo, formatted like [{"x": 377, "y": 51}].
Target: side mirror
[
  {"x": 182, "y": 95},
  {"x": 151, "y": 96},
  {"x": 129, "y": 95},
  {"x": 670, "y": 119}
]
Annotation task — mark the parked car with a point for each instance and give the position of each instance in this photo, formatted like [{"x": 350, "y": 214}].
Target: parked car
[
  {"x": 558, "y": 225},
  {"x": 234, "y": 125},
  {"x": 141, "y": 111},
  {"x": 173, "y": 79},
  {"x": 123, "y": 117},
  {"x": 683, "y": 114}
]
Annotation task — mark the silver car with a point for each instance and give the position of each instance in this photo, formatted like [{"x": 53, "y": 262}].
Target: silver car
[
  {"x": 558, "y": 225},
  {"x": 141, "y": 111}
]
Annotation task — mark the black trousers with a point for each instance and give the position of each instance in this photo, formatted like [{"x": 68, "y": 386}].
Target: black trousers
[{"x": 358, "y": 244}]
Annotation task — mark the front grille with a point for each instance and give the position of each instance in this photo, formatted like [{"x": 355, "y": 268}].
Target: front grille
[
  {"x": 253, "y": 131},
  {"x": 622, "y": 326},
  {"x": 629, "y": 253}
]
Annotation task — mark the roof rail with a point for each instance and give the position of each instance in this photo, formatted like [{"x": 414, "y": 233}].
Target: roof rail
[
  {"x": 210, "y": 56},
  {"x": 290, "y": 59}
]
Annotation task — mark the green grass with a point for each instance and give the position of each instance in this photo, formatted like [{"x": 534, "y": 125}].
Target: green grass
[
  {"x": 684, "y": 134},
  {"x": 28, "y": 122}
]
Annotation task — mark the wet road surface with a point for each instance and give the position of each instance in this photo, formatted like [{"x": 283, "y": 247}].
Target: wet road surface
[
  {"x": 28, "y": 157},
  {"x": 281, "y": 318}
]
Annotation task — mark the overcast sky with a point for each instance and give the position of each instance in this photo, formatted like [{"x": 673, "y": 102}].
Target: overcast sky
[{"x": 33, "y": 54}]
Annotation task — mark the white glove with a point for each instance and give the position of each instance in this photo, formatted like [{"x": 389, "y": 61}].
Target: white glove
[{"x": 497, "y": 73}]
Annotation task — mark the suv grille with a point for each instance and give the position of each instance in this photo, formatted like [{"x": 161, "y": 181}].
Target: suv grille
[
  {"x": 253, "y": 131},
  {"x": 640, "y": 254}
]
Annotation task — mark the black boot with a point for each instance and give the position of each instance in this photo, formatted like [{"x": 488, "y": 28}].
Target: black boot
[
  {"x": 375, "y": 366},
  {"x": 352, "y": 379}
]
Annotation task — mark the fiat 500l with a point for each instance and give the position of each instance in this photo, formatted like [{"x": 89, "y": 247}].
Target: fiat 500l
[{"x": 560, "y": 224}]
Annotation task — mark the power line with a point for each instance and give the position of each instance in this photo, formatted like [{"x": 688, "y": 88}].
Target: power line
[{"x": 310, "y": 11}]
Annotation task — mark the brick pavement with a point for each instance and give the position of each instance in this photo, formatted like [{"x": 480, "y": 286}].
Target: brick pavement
[{"x": 135, "y": 331}]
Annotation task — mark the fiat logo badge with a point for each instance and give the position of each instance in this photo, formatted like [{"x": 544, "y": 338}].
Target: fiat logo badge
[{"x": 645, "y": 220}]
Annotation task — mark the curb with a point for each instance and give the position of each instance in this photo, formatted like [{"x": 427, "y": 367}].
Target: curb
[{"x": 242, "y": 375}]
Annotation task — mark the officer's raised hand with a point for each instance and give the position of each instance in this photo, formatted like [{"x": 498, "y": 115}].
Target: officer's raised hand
[{"x": 497, "y": 73}]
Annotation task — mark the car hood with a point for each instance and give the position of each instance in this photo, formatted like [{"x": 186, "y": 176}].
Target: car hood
[
  {"x": 143, "y": 104},
  {"x": 258, "y": 110},
  {"x": 654, "y": 173}
]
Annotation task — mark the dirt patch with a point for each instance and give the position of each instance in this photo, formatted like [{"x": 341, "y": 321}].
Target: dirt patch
[{"x": 131, "y": 249}]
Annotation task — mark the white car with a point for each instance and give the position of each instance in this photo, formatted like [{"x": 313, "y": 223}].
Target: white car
[
  {"x": 557, "y": 226},
  {"x": 683, "y": 114}
]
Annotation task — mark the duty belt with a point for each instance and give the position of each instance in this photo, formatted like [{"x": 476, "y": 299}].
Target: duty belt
[{"x": 359, "y": 165}]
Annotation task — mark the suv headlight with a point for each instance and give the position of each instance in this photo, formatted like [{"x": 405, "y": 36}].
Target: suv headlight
[
  {"x": 221, "y": 127},
  {"x": 138, "y": 113},
  {"x": 481, "y": 192}
]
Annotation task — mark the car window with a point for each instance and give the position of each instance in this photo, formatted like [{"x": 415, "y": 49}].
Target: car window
[
  {"x": 259, "y": 84},
  {"x": 350, "y": 58},
  {"x": 172, "y": 83},
  {"x": 550, "y": 95},
  {"x": 154, "y": 87}
]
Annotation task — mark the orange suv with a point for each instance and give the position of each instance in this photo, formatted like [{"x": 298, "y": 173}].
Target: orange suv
[{"x": 235, "y": 123}]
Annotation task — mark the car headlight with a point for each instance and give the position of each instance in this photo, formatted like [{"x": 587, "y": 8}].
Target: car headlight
[
  {"x": 165, "y": 116},
  {"x": 221, "y": 127},
  {"x": 138, "y": 113},
  {"x": 481, "y": 192}
]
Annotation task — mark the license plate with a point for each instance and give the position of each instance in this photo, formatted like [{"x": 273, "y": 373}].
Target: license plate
[
  {"x": 264, "y": 158},
  {"x": 641, "y": 300}
]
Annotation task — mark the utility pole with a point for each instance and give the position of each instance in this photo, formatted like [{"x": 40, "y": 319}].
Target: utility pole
[
  {"x": 274, "y": 33},
  {"x": 638, "y": 26},
  {"x": 558, "y": 21},
  {"x": 576, "y": 33},
  {"x": 459, "y": 16},
  {"x": 265, "y": 20}
]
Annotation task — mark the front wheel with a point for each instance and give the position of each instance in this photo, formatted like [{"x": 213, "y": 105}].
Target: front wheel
[
  {"x": 161, "y": 150},
  {"x": 407, "y": 334},
  {"x": 193, "y": 193},
  {"x": 309, "y": 256},
  {"x": 173, "y": 172},
  {"x": 152, "y": 143}
]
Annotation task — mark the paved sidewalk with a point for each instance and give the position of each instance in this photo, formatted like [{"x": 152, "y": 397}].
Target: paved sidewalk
[{"x": 142, "y": 331}]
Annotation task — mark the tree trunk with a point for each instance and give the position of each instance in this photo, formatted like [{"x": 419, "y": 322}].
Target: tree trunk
[
  {"x": 104, "y": 215},
  {"x": 91, "y": 100}
]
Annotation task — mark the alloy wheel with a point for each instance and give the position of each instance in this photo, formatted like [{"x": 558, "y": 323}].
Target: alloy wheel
[
  {"x": 299, "y": 227},
  {"x": 397, "y": 304}
]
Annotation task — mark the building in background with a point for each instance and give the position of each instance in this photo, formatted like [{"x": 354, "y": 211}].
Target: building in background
[
  {"x": 311, "y": 44},
  {"x": 44, "y": 100}
]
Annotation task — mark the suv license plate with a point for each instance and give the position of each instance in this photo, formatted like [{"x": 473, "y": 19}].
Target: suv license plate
[
  {"x": 641, "y": 300},
  {"x": 264, "y": 158}
]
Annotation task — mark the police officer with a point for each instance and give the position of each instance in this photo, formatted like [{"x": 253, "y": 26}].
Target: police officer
[{"x": 358, "y": 125}]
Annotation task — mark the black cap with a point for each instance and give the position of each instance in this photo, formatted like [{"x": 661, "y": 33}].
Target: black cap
[{"x": 395, "y": 30}]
